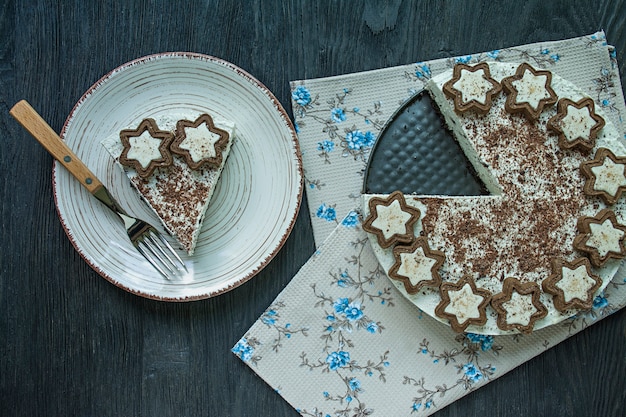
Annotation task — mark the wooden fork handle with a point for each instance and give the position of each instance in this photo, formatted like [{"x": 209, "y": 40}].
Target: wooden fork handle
[{"x": 24, "y": 113}]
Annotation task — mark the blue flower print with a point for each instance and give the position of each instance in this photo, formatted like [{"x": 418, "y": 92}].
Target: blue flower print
[
  {"x": 552, "y": 56},
  {"x": 472, "y": 373},
  {"x": 336, "y": 360},
  {"x": 343, "y": 279},
  {"x": 269, "y": 317},
  {"x": 301, "y": 95},
  {"x": 353, "y": 312},
  {"x": 372, "y": 327},
  {"x": 463, "y": 59},
  {"x": 600, "y": 302},
  {"x": 356, "y": 140},
  {"x": 422, "y": 71},
  {"x": 369, "y": 139},
  {"x": 485, "y": 341},
  {"x": 351, "y": 220},
  {"x": 243, "y": 350},
  {"x": 326, "y": 146},
  {"x": 600, "y": 38},
  {"x": 494, "y": 54},
  {"x": 326, "y": 212},
  {"x": 337, "y": 115},
  {"x": 341, "y": 305},
  {"x": 354, "y": 384}
]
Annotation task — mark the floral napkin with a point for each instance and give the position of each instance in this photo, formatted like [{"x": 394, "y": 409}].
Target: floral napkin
[{"x": 340, "y": 340}]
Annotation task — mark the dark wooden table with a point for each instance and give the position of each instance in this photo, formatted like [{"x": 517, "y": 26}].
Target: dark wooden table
[{"x": 72, "y": 344}]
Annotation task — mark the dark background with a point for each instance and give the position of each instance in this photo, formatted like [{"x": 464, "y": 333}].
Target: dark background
[{"x": 72, "y": 344}]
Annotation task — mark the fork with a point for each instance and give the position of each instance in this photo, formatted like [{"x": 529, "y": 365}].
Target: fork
[{"x": 144, "y": 237}]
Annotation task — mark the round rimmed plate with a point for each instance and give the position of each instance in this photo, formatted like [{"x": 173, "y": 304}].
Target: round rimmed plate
[{"x": 255, "y": 203}]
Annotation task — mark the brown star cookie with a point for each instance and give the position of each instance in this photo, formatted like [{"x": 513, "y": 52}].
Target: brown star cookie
[
  {"x": 416, "y": 265},
  {"x": 472, "y": 88},
  {"x": 200, "y": 142},
  {"x": 463, "y": 304},
  {"x": 606, "y": 175},
  {"x": 529, "y": 91},
  {"x": 518, "y": 305},
  {"x": 572, "y": 284},
  {"x": 391, "y": 219},
  {"x": 601, "y": 237},
  {"x": 576, "y": 123},
  {"x": 146, "y": 148}
]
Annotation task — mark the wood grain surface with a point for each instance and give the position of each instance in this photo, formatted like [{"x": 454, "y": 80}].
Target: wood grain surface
[{"x": 72, "y": 344}]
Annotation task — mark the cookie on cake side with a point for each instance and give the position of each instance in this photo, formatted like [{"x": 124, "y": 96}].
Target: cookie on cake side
[{"x": 178, "y": 192}]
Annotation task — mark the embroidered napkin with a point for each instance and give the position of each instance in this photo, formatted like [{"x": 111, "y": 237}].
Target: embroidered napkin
[{"x": 340, "y": 340}]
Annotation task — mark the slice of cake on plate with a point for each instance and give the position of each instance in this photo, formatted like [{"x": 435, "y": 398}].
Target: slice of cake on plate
[
  {"x": 555, "y": 168},
  {"x": 174, "y": 162}
]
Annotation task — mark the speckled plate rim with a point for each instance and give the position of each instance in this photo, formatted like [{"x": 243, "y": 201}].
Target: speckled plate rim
[{"x": 294, "y": 200}]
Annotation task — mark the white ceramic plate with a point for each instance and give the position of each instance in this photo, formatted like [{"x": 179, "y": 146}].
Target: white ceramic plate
[{"x": 254, "y": 206}]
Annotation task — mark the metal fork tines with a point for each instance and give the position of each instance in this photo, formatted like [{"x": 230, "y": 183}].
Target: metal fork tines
[{"x": 153, "y": 246}]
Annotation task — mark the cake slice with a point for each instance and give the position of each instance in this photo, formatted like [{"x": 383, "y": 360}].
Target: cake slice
[{"x": 174, "y": 162}]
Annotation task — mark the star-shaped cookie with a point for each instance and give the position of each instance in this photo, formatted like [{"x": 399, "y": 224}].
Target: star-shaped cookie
[
  {"x": 529, "y": 91},
  {"x": 462, "y": 303},
  {"x": 200, "y": 142},
  {"x": 472, "y": 88},
  {"x": 416, "y": 265},
  {"x": 601, "y": 237},
  {"x": 576, "y": 123},
  {"x": 572, "y": 284},
  {"x": 606, "y": 175},
  {"x": 146, "y": 148},
  {"x": 518, "y": 305},
  {"x": 391, "y": 219}
]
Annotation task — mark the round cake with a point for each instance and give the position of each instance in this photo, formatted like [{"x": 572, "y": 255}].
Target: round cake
[{"x": 548, "y": 238}]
